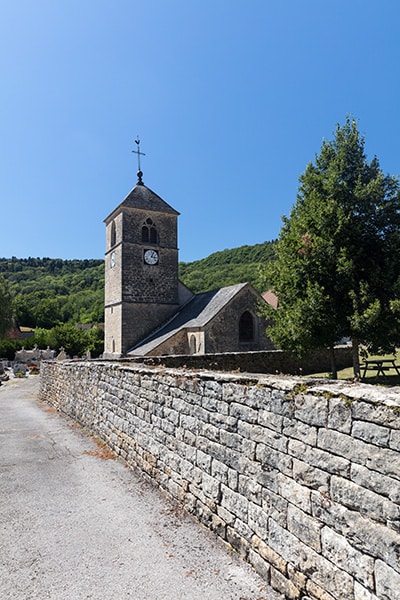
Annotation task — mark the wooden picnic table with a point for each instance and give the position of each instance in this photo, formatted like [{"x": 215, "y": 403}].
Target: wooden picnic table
[{"x": 380, "y": 365}]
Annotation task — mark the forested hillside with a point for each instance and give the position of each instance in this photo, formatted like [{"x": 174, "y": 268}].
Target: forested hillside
[
  {"x": 50, "y": 291},
  {"x": 228, "y": 267}
]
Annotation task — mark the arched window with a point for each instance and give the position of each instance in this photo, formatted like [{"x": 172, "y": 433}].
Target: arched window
[
  {"x": 149, "y": 232},
  {"x": 113, "y": 237},
  {"x": 246, "y": 327},
  {"x": 145, "y": 234}
]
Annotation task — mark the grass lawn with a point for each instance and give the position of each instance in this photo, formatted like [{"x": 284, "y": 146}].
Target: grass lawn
[{"x": 390, "y": 379}]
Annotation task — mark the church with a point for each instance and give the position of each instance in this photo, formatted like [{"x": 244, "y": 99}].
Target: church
[{"x": 148, "y": 311}]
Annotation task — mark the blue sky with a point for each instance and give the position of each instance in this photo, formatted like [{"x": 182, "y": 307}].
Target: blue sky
[{"x": 231, "y": 100}]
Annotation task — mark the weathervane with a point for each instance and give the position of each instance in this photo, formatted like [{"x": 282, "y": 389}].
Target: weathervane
[{"x": 139, "y": 154}]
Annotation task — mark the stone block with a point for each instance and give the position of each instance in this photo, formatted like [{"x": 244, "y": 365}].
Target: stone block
[
  {"x": 239, "y": 543},
  {"x": 272, "y": 557},
  {"x": 263, "y": 435},
  {"x": 231, "y": 440},
  {"x": 243, "y": 413},
  {"x": 258, "y": 520},
  {"x": 361, "y": 593},
  {"x": 225, "y": 515},
  {"x": 203, "y": 461},
  {"x": 268, "y": 419},
  {"x": 394, "y": 441},
  {"x": 208, "y": 431},
  {"x": 212, "y": 449},
  {"x": 281, "y": 404},
  {"x": 218, "y": 525},
  {"x": 189, "y": 423},
  {"x": 321, "y": 459},
  {"x": 384, "y": 461},
  {"x": 304, "y": 527},
  {"x": 213, "y": 389},
  {"x": 260, "y": 565},
  {"x": 294, "y": 493},
  {"x": 311, "y": 409},
  {"x": 387, "y": 581},
  {"x": 223, "y": 408},
  {"x": 363, "y": 501},
  {"x": 273, "y": 459},
  {"x": 248, "y": 449},
  {"x": 376, "y": 412},
  {"x": 343, "y": 445},
  {"x": 371, "y": 433},
  {"x": 250, "y": 488},
  {"x": 292, "y": 428},
  {"x": 234, "y": 502},
  {"x": 376, "y": 482},
  {"x": 275, "y": 507},
  {"x": 211, "y": 487},
  {"x": 337, "y": 549},
  {"x": 233, "y": 480},
  {"x": 310, "y": 476},
  {"x": 297, "y": 578},
  {"x": 243, "y": 529},
  {"x": 234, "y": 459},
  {"x": 314, "y": 591},
  {"x": 339, "y": 415},
  {"x": 268, "y": 478},
  {"x": 200, "y": 413},
  {"x": 284, "y": 585},
  {"x": 219, "y": 470},
  {"x": 223, "y": 421}
]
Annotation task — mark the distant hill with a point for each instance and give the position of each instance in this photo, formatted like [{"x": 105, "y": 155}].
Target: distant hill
[
  {"x": 228, "y": 267},
  {"x": 49, "y": 291}
]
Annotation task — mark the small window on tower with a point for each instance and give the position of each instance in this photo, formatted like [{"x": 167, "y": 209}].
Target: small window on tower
[
  {"x": 149, "y": 232},
  {"x": 113, "y": 237},
  {"x": 153, "y": 235},
  {"x": 145, "y": 233}
]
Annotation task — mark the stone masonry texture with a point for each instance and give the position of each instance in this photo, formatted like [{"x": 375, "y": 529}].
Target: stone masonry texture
[{"x": 300, "y": 476}]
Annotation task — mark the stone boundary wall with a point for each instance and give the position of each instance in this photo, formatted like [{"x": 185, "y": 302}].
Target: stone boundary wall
[
  {"x": 264, "y": 361},
  {"x": 300, "y": 476}
]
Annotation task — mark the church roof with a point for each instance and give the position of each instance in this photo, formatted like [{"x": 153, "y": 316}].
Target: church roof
[
  {"x": 199, "y": 311},
  {"x": 143, "y": 197}
]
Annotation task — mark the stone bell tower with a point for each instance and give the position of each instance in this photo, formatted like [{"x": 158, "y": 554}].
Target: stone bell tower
[{"x": 141, "y": 268}]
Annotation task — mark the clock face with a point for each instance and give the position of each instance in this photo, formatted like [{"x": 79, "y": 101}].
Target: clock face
[
  {"x": 112, "y": 260},
  {"x": 151, "y": 257}
]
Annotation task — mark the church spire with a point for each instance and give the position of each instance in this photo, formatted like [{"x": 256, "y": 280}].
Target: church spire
[{"x": 139, "y": 154}]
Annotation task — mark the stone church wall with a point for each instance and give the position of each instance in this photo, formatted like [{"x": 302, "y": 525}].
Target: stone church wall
[
  {"x": 223, "y": 338},
  {"x": 300, "y": 476}
]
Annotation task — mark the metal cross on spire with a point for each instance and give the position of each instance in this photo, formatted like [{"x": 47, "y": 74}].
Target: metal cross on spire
[{"x": 139, "y": 154}]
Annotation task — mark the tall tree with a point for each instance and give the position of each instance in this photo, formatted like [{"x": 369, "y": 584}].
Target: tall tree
[
  {"x": 5, "y": 307},
  {"x": 337, "y": 272}
]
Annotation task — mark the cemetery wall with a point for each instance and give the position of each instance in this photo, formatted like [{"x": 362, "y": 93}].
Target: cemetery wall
[
  {"x": 262, "y": 361},
  {"x": 301, "y": 477}
]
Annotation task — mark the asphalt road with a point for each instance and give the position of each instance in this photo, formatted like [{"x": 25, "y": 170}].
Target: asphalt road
[{"x": 75, "y": 524}]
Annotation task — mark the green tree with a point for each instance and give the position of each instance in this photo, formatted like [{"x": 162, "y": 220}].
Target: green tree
[
  {"x": 6, "y": 312},
  {"x": 337, "y": 272},
  {"x": 95, "y": 341},
  {"x": 69, "y": 337}
]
